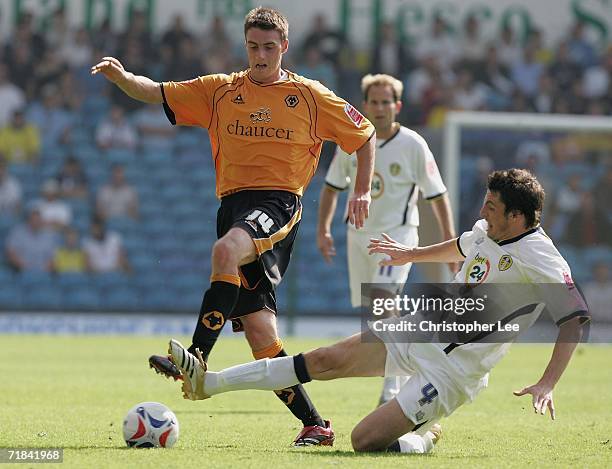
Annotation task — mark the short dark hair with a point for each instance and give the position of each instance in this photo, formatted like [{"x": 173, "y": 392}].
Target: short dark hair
[
  {"x": 268, "y": 19},
  {"x": 520, "y": 191}
]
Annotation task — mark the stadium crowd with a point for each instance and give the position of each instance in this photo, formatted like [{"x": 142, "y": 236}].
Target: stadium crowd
[{"x": 63, "y": 132}]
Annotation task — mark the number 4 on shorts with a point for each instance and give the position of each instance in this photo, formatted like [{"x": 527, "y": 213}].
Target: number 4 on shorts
[{"x": 429, "y": 394}]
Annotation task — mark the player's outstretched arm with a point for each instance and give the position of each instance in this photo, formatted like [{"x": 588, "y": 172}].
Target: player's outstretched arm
[
  {"x": 359, "y": 200},
  {"x": 327, "y": 207},
  {"x": 570, "y": 334},
  {"x": 444, "y": 216},
  {"x": 135, "y": 86},
  {"x": 400, "y": 254}
]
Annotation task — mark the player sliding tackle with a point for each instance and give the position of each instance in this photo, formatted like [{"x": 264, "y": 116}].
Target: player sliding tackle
[{"x": 507, "y": 246}]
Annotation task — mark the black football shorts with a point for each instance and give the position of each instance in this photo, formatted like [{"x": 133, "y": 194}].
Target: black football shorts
[{"x": 272, "y": 219}]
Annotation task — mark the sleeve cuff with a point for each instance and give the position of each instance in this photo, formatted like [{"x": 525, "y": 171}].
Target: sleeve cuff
[
  {"x": 583, "y": 315},
  {"x": 335, "y": 188},
  {"x": 169, "y": 113},
  {"x": 459, "y": 247},
  {"x": 433, "y": 198}
]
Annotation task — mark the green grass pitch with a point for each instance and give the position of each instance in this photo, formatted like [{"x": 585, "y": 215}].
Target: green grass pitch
[{"x": 73, "y": 392}]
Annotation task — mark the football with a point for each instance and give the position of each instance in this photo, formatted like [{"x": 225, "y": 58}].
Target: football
[{"x": 150, "y": 425}]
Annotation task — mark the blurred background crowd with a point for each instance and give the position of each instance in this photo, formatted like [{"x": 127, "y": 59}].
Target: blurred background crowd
[{"x": 105, "y": 206}]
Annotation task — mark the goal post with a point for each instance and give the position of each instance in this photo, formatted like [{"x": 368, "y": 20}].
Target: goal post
[{"x": 456, "y": 121}]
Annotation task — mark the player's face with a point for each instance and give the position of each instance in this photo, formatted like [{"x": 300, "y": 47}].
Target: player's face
[
  {"x": 265, "y": 49},
  {"x": 493, "y": 212},
  {"x": 381, "y": 107}
]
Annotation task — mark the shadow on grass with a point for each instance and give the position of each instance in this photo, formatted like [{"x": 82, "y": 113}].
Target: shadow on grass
[{"x": 230, "y": 412}]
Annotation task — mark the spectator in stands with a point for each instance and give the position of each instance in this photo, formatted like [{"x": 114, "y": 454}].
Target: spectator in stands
[
  {"x": 603, "y": 194},
  {"x": 543, "y": 54},
  {"x": 11, "y": 96},
  {"x": 389, "y": 54},
  {"x": 468, "y": 95},
  {"x": 566, "y": 203},
  {"x": 104, "y": 249},
  {"x": 104, "y": 38},
  {"x": 564, "y": 70},
  {"x": 439, "y": 45},
  {"x": 496, "y": 76},
  {"x": 330, "y": 42},
  {"x": 72, "y": 179},
  {"x": 26, "y": 34},
  {"x": 153, "y": 128},
  {"x": 53, "y": 122},
  {"x": 581, "y": 51},
  {"x": 588, "y": 226},
  {"x": 173, "y": 37},
  {"x": 55, "y": 213},
  {"x": 48, "y": 72},
  {"x": 508, "y": 48},
  {"x": 117, "y": 199},
  {"x": 597, "y": 79},
  {"x": 21, "y": 66},
  {"x": 598, "y": 293},
  {"x": 115, "y": 131},
  {"x": 70, "y": 256},
  {"x": 315, "y": 68},
  {"x": 58, "y": 32},
  {"x": 20, "y": 140},
  {"x": 139, "y": 35},
  {"x": 526, "y": 73},
  {"x": 10, "y": 191},
  {"x": 473, "y": 46},
  {"x": 545, "y": 97},
  {"x": 187, "y": 62},
  {"x": 428, "y": 72},
  {"x": 30, "y": 245},
  {"x": 78, "y": 50}
]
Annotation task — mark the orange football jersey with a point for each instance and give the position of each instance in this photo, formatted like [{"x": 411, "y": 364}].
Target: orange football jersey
[{"x": 265, "y": 136}]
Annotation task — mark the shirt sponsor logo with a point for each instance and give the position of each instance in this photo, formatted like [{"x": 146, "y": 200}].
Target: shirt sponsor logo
[
  {"x": 236, "y": 128},
  {"x": 505, "y": 262},
  {"x": 353, "y": 114},
  {"x": 478, "y": 270},
  {"x": 261, "y": 115}
]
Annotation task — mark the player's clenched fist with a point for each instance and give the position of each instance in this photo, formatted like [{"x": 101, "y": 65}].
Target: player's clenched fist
[
  {"x": 359, "y": 209},
  {"x": 111, "y": 68}
]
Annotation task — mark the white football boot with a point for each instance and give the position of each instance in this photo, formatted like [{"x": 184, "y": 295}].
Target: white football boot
[{"x": 192, "y": 368}]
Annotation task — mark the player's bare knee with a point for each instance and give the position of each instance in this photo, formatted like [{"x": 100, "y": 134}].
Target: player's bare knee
[
  {"x": 363, "y": 440},
  {"x": 224, "y": 254},
  {"x": 259, "y": 330}
]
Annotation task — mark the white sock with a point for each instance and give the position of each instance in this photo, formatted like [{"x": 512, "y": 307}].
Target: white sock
[
  {"x": 413, "y": 443},
  {"x": 268, "y": 374}
]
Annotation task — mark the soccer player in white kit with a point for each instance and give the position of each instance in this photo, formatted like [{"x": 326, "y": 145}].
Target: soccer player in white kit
[
  {"x": 506, "y": 247},
  {"x": 404, "y": 166}
]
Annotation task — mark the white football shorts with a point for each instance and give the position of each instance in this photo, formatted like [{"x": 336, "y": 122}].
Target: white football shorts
[
  {"x": 435, "y": 388},
  {"x": 364, "y": 268}
]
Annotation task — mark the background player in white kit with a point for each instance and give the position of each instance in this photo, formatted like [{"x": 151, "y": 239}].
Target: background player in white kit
[
  {"x": 404, "y": 166},
  {"x": 507, "y": 246}
]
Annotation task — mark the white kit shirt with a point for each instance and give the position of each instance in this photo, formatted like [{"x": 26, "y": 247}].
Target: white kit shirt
[
  {"x": 404, "y": 165},
  {"x": 529, "y": 264}
]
